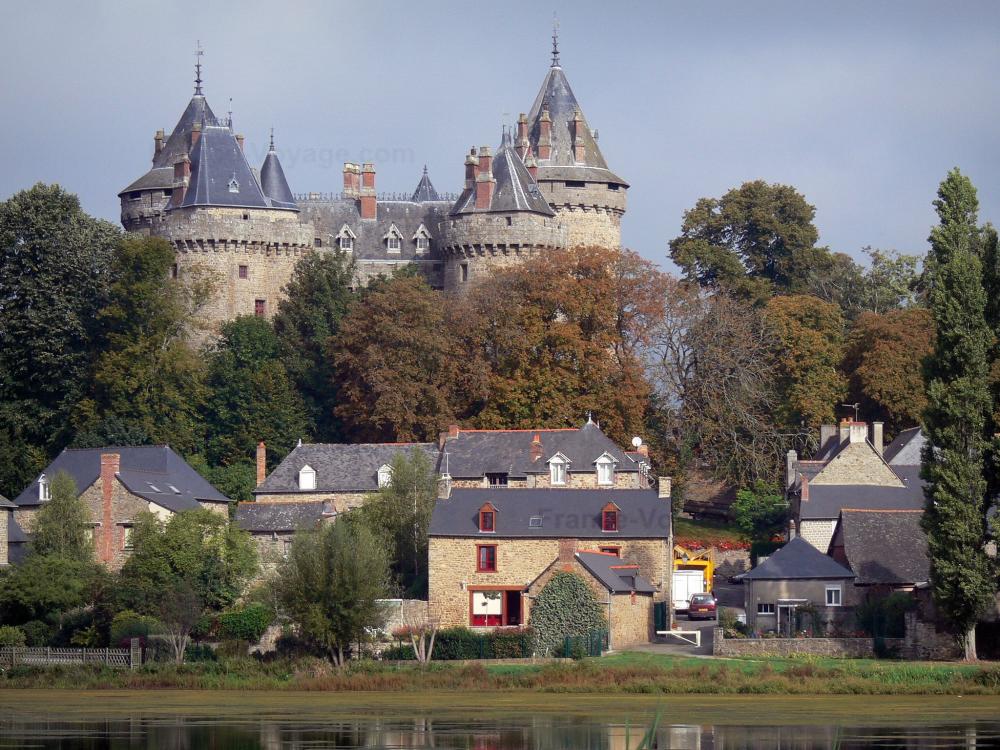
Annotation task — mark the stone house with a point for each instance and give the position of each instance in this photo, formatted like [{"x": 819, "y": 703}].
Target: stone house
[
  {"x": 572, "y": 458},
  {"x": 119, "y": 483},
  {"x": 12, "y": 538},
  {"x": 492, "y": 550},
  {"x": 273, "y": 525},
  {"x": 796, "y": 575},
  {"x": 851, "y": 470}
]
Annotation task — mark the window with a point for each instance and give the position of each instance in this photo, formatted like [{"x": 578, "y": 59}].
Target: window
[
  {"x": 833, "y": 594},
  {"x": 605, "y": 470},
  {"x": 126, "y": 537},
  {"x": 487, "y": 608},
  {"x": 575, "y": 184},
  {"x": 393, "y": 244},
  {"x": 463, "y": 271},
  {"x": 246, "y": 217},
  {"x": 345, "y": 239},
  {"x": 384, "y": 476},
  {"x": 487, "y": 520},
  {"x": 173, "y": 271},
  {"x": 496, "y": 480},
  {"x": 307, "y": 478},
  {"x": 486, "y": 558},
  {"x": 510, "y": 221},
  {"x": 44, "y": 492},
  {"x": 317, "y": 242},
  {"x": 234, "y": 186},
  {"x": 765, "y": 609},
  {"x": 557, "y": 470},
  {"x": 393, "y": 239},
  {"x": 423, "y": 244},
  {"x": 609, "y": 517},
  {"x": 286, "y": 548},
  {"x": 168, "y": 192},
  {"x": 535, "y": 522},
  {"x": 616, "y": 551},
  {"x": 259, "y": 308},
  {"x": 135, "y": 195},
  {"x": 244, "y": 272},
  {"x": 346, "y": 243}
]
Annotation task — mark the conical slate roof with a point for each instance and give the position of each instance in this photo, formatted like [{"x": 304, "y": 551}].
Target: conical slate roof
[
  {"x": 220, "y": 174},
  {"x": 425, "y": 190},
  {"x": 273, "y": 182},
  {"x": 557, "y": 97},
  {"x": 515, "y": 190}
]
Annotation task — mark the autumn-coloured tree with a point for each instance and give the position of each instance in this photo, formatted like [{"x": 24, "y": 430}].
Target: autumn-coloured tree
[
  {"x": 884, "y": 361},
  {"x": 811, "y": 336},
  {"x": 562, "y": 335},
  {"x": 402, "y": 375}
]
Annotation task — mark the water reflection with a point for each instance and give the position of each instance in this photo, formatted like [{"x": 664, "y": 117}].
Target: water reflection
[{"x": 519, "y": 733}]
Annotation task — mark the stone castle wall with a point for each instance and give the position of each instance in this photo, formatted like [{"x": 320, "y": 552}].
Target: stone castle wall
[
  {"x": 140, "y": 213},
  {"x": 591, "y": 214}
]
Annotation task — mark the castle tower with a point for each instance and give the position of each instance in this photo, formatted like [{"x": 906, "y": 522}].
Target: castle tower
[
  {"x": 573, "y": 176},
  {"x": 499, "y": 219},
  {"x": 425, "y": 190}
]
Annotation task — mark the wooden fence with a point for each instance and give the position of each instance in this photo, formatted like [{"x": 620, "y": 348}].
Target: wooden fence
[{"x": 122, "y": 658}]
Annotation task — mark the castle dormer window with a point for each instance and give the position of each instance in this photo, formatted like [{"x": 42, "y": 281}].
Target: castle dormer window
[
  {"x": 345, "y": 239},
  {"x": 384, "y": 475},
  {"x": 307, "y": 478},
  {"x": 44, "y": 491},
  {"x": 234, "y": 186},
  {"x": 393, "y": 240},
  {"x": 423, "y": 239}
]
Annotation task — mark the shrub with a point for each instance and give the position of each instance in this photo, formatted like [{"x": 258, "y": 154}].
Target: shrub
[
  {"x": 37, "y": 633},
  {"x": 129, "y": 624},
  {"x": 452, "y": 644},
  {"x": 885, "y": 617},
  {"x": 399, "y": 653},
  {"x": 566, "y": 606},
  {"x": 200, "y": 652},
  {"x": 11, "y": 636},
  {"x": 246, "y": 623},
  {"x": 233, "y": 649}
]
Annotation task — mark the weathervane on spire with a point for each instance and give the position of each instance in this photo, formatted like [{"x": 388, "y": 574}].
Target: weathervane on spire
[
  {"x": 272, "y": 139},
  {"x": 555, "y": 41},
  {"x": 197, "y": 69}
]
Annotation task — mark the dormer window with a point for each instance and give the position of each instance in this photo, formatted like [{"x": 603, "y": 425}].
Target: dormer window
[
  {"x": 605, "y": 470},
  {"x": 345, "y": 239},
  {"x": 307, "y": 478},
  {"x": 487, "y": 518},
  {"x": 234, "y": 186},
  {"x": 385, "y": 476},
  {"x": 423, "y": 244},
  {"x": 423, "y": 239},
  {"x": 393, "y": 240},
  {"x": 609, "y": 517},
  {"x": 557, "y": 469},
  {"x": 44, "y": 492}
]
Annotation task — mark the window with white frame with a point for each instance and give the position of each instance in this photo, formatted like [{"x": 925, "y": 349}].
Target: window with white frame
[
  {"x": 764, "y": 608},
  {"x": 606, "y": 470},
  {"x": 126, "y": 537},
  {"x": 393, "y": 240},
  {"x": 384, "y": 475},
  {"x": 557, "y": 470},
  {"x": 345, "y": 239},
  {"x": 44, "y": 492},
  {"x": 834, "y": 596},
  {"x": 423, "y": 239},
  {"x": 307, "y": 478}
]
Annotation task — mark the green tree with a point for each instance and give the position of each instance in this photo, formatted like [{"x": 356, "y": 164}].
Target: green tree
[
  {"x": 54, "y": 263},
  {"x": 890, "y": 282},
  {"x": 317, "y": 298},
  {"x": 760, "y": 513},
  {"x": 755, "y": 241},
  {"x": 963, "y": 578},
  {"x": 62, "y": 525},
  {"x": 565, "y": 607},
  {"x": 198, "y": 549},
  {"x": 330, "y": 586},
  {"x": 47, "y": 587},
  {"x": 401, "y": 514},
  {"x": 251, "y": 397}
]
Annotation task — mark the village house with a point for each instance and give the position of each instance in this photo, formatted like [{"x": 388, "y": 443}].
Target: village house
[
  {"x": 572, "y": 458},
  {"x": 851, "y": 470},
  {"x": 492, "y": 550},
  {"x": 10, "y": 533},
  {"x": 117, "y": 484},
  {"x": 273, "y": 525}
]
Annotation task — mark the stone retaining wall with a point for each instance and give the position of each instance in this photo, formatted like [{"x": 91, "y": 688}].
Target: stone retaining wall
[{"x": 852, "y": 648}]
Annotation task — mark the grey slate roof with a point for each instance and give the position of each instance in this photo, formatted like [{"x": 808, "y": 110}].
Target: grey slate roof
[
  {"x": 827, "y": 500},
  {"x": 515, "y": 190},
  {"x": 274, "y": 184},
  {"x": 616, "y": 575},
  {"x": 563, "y": 513},
  {"x": 425, "y": 190},
  {"x": 884, "y": 546},
  {"x": 275, "y": 517},
  {"x": 15, "y": 534},
  {"x": 149, "y": 471},
  {"x": 905, "y": 450},
  {"x": 557, "y": 97},
  {"x": 339, "y": 467},
  {"x": 475, "y": 453},
  {"x": 796, "y": 560},
  {"x": 5, "y": 503},
  {"x": 216, "y": 161}
]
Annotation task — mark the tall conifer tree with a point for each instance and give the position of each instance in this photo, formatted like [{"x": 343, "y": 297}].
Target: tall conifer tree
[{"x": 958, "y": 413}]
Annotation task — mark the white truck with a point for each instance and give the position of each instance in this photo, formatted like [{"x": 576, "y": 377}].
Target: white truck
[{"x": 686, "y": 583}]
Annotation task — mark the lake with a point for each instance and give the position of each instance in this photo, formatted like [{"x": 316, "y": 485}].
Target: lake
[{"x": 73, "y": 720}]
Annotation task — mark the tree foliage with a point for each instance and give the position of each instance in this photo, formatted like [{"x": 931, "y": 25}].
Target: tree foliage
[
  {"x": 62, "y": 525},
  {"x": 761, "y": 513},
  {"x": 963, "y": 577},
  {"x": 330, "y": 585},
  {"x": 45, "y": 587},
  {"x": 565, "y": 607}
]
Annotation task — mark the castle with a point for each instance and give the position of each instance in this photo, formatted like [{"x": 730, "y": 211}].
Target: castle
[{"x": 547, "y": 186}]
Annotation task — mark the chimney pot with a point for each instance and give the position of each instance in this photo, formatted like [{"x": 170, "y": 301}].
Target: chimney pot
[
  {"x": 453, "y": 430},
  {"x": 369, "y": 203},
  {"x": 536, "y": 447}
]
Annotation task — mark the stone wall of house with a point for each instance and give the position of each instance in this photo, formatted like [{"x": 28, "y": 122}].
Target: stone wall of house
[
  {"x": 818, "y": 533},
  {"x": 924, "y": 641},
  {"x": 731, "y": 561},
  {"x": 220, "y": 509},
  {"x": 631, "y": 620},
  {"x": 125, "y": 508},
  {"x": 342, "y": 501},
  {"x": 271, "y": 546},
  {"x": 5, "y": 514},
  {"x": 576, "y": 480},
  {"x": 857, "y": 463},
  {"x": 853, "y": 648}
]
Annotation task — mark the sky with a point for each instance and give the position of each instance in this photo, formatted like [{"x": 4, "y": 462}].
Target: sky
[{"x": 861, "y": 106}]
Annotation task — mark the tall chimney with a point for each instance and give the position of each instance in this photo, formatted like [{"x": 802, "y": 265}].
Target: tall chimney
[
  {"x": 858, "y": 432},
  {"x": 827, "y": 432},
  {"x": 536, "y": 447},
  {"x": 471, "y": 169},
  {"x": 532, "y": 164},
  {"x": 195, "y": 135},
  {"x": 110, "y": 465},
  {"x": 241, "y": 139},
  {"x": 158, "y": 143},
  {"x": 877, "y": 439},
  {"x": 579, "y": 151},
  {"x": 845, "y": 431},
  {"x": 261, "y": 463},
  {"x": 485, "y": 182},
  {"x": 351, "y": 180},
  {"x": 790, "y": 458},
  {"x": 522, "y": 136},
  {"x": 544, "y": 135},
  {"x": 665, "y": 488},
  {"x": 567, "y": 552},
  {"x": 369, "y": 205},
  {"x": 182, "y": 175}
]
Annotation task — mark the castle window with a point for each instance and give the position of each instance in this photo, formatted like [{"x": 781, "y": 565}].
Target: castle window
[
  {"x": 612, "y": 186},
  {"x": 393, "y": 239},
  {"x": 168, "y": 192},
  {"x": 486, "y": 558},
  {"x": 234, "y": 186},
  {"x": 318, "y": 242},
  {"x": 259, "y": 308},
  {"x": 423, "y": 239},
  {"x": 609, "y": 517},
  {"x": 246, "y": 217},
  {"x": 346, "y": 243},
  {"x": 135, "y": 195},
  {"x": 127, "y": 537},
  {"x": 307, "y": 478},
  {"x": 423, "y": 244},
  {"x": 244, "y": 272},
  {"x": 575, "y": 184},
  {"x": 44, "y": 491},
  {"x": 384, "y": 475},
  {"x": 463, "y": 271},
  {"x": 345, "y": 239},
  {"x": 510, "y": 221}
]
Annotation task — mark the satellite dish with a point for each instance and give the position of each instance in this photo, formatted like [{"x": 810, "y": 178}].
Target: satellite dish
[{"x": 636, "y": 441}]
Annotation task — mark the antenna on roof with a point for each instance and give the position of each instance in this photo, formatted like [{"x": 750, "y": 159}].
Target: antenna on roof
[
  {"x": 230, "y": 114},
  {"x": 555, "y": 41},
  {"x": 856, "y": 407},
  {"x": 197, "y": 69}
]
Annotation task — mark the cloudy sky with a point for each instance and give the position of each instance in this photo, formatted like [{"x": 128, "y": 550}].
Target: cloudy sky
[{"x": 862, "y": 106}]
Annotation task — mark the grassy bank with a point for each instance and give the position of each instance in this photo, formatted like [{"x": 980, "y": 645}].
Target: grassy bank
[{"x": 628, "y": 673}]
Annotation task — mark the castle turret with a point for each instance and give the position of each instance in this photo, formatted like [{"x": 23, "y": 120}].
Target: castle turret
[
  {"x": 572, "y": 174},
  {"x": 425, "y": 190},
  {"x": 273, "y": 182}
]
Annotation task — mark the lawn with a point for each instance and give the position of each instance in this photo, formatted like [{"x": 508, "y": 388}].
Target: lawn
[{"x": 710, "y": 533}]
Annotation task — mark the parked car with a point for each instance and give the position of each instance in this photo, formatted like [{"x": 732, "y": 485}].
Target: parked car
[{"x": 702, "y": 607}]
